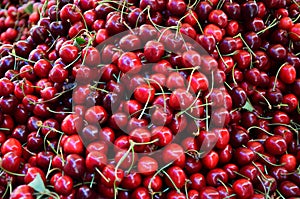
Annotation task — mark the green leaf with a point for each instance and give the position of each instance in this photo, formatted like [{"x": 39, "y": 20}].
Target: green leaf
[
  {"x": 248, "y": 106},
  {"x": 38, "y": 184},
  {"x": 80, "y": 40},
  {"x": 29, "y": 9}
]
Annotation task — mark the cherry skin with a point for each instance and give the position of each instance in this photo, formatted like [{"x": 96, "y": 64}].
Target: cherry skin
[
  {"x": 129, "y": 63},
  {"x": 287, "y": 74},
  {"x": 177, "y": 175},
  {"x": 211, "y": 160},
  {"x": 11, "y": 162},
  {"x": 153, "y": 51},
  {"x": 276, "y": 145},
  {"x": 68, "y": 53},
  {"x": 209, "y": 192},
  {"x": 243, "y": 188},
  {"x": 144, "y": 93}
]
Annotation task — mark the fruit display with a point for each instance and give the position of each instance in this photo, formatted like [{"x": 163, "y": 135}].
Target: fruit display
[{"x": 149, "y": 99}]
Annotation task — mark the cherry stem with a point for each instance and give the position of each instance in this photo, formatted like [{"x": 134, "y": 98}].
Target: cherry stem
[
  {"x": 272, "y": 24},
  {"x": 267, "y": 101},
  {"x": 173, "y": 183},
  {"x": 102, "y": 175},
  {"x": 219, "y": 53},
  {"x": 232, "y": 73},
  {"x": 264, "y": 158},
  {"x": 190, "y": 107},
  {"x": 11, "y": 173},
  {"x": 147, "y": 102},
  {"x": 60, "y": 112},
  {"x": 245, "y": 43},
  {"x": 276, "y": 76},
  {"x": 256, "y": 127},
  {"x": 237, "y": 173},
  {"x": 259, "y": 170},
  {"x": 99, "y": 89},
  {"x": 222, "y": 183}
]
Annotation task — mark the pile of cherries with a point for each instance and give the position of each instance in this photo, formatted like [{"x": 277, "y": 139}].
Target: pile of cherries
[{"x": 149, "y": 99}]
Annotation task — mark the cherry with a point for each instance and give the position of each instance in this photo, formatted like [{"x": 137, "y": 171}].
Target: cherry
[
  {"x": 243, "y": 188},
  {"x": 173, "y": 194},
  {"x": 174, "y": 153},
  {"x": 74, "y": 166},
  {"x": 70, "y": 12},
  {"x": 276, "y": 145},
  {"x": 162, "y": 134},
  {"x": 153, "y": 51},
  {"x": 175, "y": 175},
  {"x": 213, "y": 30},
  {"x": 289, "y": 162},
  {"x": 6, "y": 87},
  {"x": 203, "y": 9},
  {"x": 209, "y": 192},
  {"x": 31, "y": 174},
  {"x": 232, "y": 9},
  {"x": 289, "y": 189},
  {"x": 218, "y": 17},
  {"x": 131, "y": 181},
  {"x": 144, "y": 93},
  {"x": 68, "y": 53},
  {"x": 180, "y": 99},
  {"x": 73, "y": 145},
  {"x": 211, "y": 160},
  {"x": 216, "y": 177},
  {"x": 140, "y": 193},
  {"x": 129, "y": 63},
  {"x": 95, "y": 115},
  {"x": 22, "y": 191},
  {"x": 287, "y": 74},
  {"x": 11, "y": 161},
  {"x": 64, "y": 185}
]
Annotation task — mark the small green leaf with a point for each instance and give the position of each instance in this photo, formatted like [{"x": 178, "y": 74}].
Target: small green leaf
[
  {"x": 80, "y": 40},
  {"x": 29, "y": 9},
  {"x": 38, "y": 184},
  {"x": 248, "y": 106}
]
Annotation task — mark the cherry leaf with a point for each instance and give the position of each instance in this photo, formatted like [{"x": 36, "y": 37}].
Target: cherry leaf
[
  {"x": 29, "y": 9},
  {"x": 38, "y": 184},
  {"x": 80, "y": 40},
  {"x": 248, "y": 106}
]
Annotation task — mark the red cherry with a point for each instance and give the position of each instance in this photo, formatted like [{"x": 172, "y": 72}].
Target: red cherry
[
  {"x": 153, "y": 51},
  {"x": 287, "y": 74},
  {"x": 243, "y": 188},
  {"x": 68, "y": 53},
  {"x": 129, "y": 62},
  {"x": 177, "y": 176},
  {"x": 276, "y": 145},
  {"x": 147, "y": 165},
  {"x": 144, "y": 93}
]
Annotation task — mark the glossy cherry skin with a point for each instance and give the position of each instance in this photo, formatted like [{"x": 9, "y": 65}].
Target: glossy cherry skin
[
  {"x": 177, "y": 175},
  {"x": 287, "y": 74},
  {"x": 129, "y": 63},
  {"x": 174, "y": 152},
  {"x": 244, "y": 156},
  {"x": 276, "y": 145},
  {"x": 74, "y": 166},
  {"x": 289, "y": 189},
  {"x": 22, "y": 191},
  {"x": 153, "y": 51},
  {"x": 11, "y": 162},
  {"x": 243, "y": 188},
  {"x": 209, "y": 192},
  {"x": 211, "y": 160}
]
